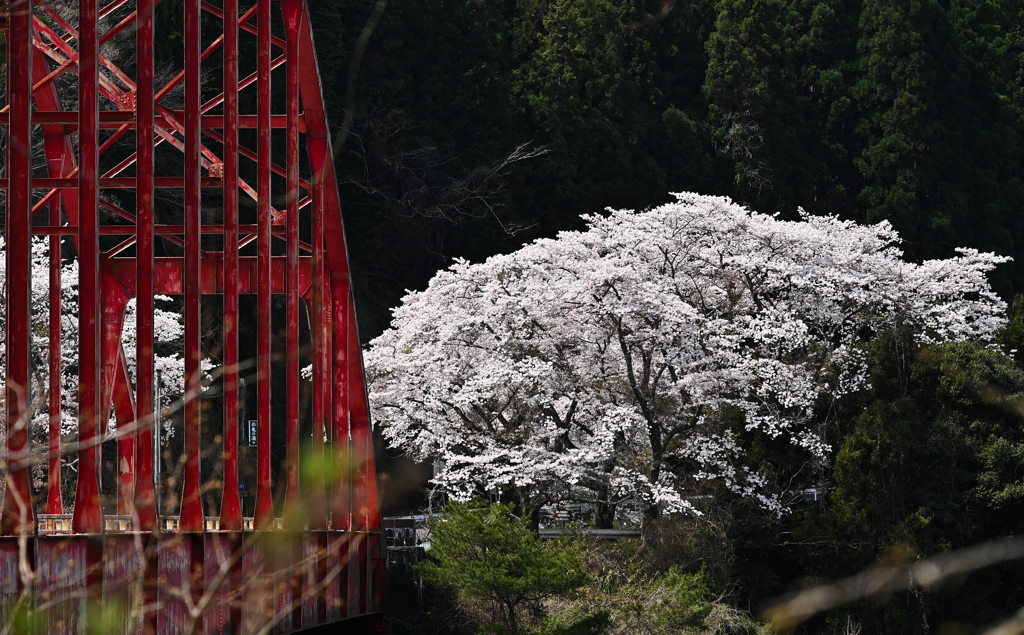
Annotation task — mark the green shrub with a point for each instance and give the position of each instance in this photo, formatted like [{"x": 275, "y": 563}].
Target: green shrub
[{"x": 491, "y": 559}]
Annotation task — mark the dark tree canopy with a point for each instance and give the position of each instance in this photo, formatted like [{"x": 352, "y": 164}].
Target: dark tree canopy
[{"x": 906, "y": 110}]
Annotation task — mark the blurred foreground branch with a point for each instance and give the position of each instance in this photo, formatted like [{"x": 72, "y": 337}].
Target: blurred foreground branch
[{"x": 881, "y": 581}]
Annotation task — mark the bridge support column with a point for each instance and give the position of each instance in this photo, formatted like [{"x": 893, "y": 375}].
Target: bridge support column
[
  {"x": 18, "y": 517},
  {"x": 87, "y": 515}
]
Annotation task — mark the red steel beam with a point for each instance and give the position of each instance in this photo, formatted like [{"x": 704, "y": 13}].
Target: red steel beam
[
  {"x": 231, "y": 511},
  {"x": 316, "y": 125},
  {"x": 171, "y": 85},
  {"x": 192, "y": 517},
  {"x": 145, "y": 503},
  {"x": 112, "y": 306},
  {"x": 243, "y": 23},
  {"x": 58, "y": 161},
  {"x": 128, "y": 230},
  {"x": 115, "y": 183},
  {"x": 333, "y": 451},
  {"x": 117, "y": 28},
  {"x": 168, "y": 274},
  {"x": 62, "y": 52},
  {"x": 292, "y": 19},
  {"x": 264, "y": 512},
  {"x": 244, "y": 83},
  {"x": 117, "y": 118},
  {"x": 17, "y": 510},
  {"x": 87, "y": 515},
  {"x": 358, "y": 428},
  {"x": 54, "y": 502},
  {"x": 340, "y": 503},
  {"x": 358, "y": 460},
  {"x": 54, "y": 149},
  {"x": 318, "y": 322},
  {"x": 366, "y": 510}
]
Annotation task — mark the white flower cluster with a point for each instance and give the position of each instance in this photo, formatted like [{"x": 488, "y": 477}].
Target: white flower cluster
[{"x": 627, "y": 360}]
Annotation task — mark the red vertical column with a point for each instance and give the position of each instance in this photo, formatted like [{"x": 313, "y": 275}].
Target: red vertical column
[
  {"x": 191, "y": 498},
  {"x": 358, "y": 452},
  {"x": 337, "y": 487},
  {"x": 264, "y": 513},
  {"x": 358, "y": 428},
  {"x": 376, "y": 559},
  {"x": 317, "y": 151},
  {"x": 340, "y": 501},
  {"x": 327, "y": 388},
  {"x": 54, "y": 502},
  {"x": 230, "y": 511},
  {"x": 292, "y": 10},
  {"x": 17, "y": 511},
  {"x": 145, "y": 495},
  {"x": 87, "y": 516},
  {"x": 370, "y": 470},
  {"x": 317, "y": 147}
]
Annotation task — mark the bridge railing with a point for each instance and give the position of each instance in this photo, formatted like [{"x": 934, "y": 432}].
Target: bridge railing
[{"x": 60, "y": 524}]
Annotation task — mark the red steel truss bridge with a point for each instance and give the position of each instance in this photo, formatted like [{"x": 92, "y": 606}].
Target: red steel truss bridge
[{"x": 99, "y": 144}]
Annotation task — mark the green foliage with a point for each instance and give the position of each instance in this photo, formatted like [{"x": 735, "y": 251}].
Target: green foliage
[
  {"x": 1013, "y": 335},
  {"x": 945, "y": 438},
  {"x": 676, "y": 601},
  {"x": 640, "y": 595},
  {"x": 893, "y": 62},
  {"x": 574, "y": 625},
  {"x": 929, "y": 460},
  {"x": 485, "y": 554},
  {"x": 750, "y": 83}
]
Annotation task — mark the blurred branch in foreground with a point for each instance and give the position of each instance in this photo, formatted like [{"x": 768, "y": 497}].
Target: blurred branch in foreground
[{"x": 884, "y": 580}]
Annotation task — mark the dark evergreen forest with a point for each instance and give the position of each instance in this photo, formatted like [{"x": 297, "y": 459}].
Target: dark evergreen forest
[
  {"x": 479, "y": 125},
  {"x": 905, "y": 110}
]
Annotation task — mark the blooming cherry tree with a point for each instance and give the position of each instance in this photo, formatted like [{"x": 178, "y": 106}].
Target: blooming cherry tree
[{"x": 630, "y": 360}]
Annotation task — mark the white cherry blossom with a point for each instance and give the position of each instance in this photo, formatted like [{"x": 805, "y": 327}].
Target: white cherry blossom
[{"x": 629, "y": 361}]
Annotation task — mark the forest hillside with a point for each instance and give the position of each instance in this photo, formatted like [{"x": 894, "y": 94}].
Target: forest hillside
[{"x": 905, "y": 110}]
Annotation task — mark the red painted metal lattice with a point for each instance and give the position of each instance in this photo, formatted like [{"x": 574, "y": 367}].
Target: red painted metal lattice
[{"x": 329, "y": 566}]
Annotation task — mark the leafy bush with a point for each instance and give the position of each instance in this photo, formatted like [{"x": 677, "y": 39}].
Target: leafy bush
[
  {"x": 491, "y": 559},
  {"x": 639, "y": 595}
]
